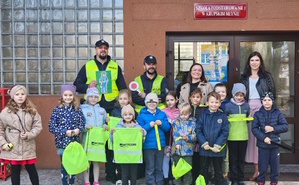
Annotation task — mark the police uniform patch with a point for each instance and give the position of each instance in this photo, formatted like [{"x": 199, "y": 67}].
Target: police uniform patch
[{"x": 219, "y": 121}]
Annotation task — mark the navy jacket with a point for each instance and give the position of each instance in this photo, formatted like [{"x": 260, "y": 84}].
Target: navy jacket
[
  {"x": 147, "y": 87},
  {"x": 272, "y": 118},
  {"x": 81, "y": 80},
  {"x": 212, "y": 129},
  {"x": 198, "y": 110},
  {"x": 144, "y": 118}
]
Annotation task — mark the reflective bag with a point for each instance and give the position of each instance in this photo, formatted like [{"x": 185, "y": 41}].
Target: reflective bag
[{"x": 181, "y": 168}]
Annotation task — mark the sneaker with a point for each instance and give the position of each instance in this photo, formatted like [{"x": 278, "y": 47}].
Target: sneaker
[
  {"x": 241, "y": 183},
  {"x": 260, "y": 183},
  {"x": 96, "y": 183},
  {"x": 235, "y": 183},
  {"x": 119, "y": 182},
  {"x": 273, "y": 183}
]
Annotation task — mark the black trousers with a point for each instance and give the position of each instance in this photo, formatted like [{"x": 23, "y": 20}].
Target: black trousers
[
  {"x": 237, "y": 152},
  {"x": 16, "y": 170},
  {"x": 205, "y": 162},
  {"x": 195, "y": 166},
  {"x": 129, "y": 172}
]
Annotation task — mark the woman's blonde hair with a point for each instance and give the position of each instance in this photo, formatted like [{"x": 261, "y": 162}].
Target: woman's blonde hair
[
  {"x": 75, "y": 103},
  {"x": 27, "y": 106}
]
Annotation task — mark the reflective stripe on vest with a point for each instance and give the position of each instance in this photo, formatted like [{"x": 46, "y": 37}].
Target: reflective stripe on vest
[
  {"x": 92, "y": 68},
  {"x": 95, "y": 144},
  {"x": 127, "y": 145},
  {"x": 156, "y": 88}
]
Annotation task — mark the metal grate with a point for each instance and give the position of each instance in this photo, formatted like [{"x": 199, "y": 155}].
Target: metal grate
[{"x": 44, "y": 43}]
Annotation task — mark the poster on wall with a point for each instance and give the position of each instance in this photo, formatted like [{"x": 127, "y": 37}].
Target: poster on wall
[{"x": 104, "y": 82}]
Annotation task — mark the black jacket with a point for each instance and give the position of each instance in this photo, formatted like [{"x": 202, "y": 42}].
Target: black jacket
[{"x": 265, "y": 84}]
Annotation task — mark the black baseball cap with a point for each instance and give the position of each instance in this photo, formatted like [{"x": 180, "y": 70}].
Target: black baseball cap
[
  {"x": 150, "y": 59},
  {"x": 101, "y": 42}
]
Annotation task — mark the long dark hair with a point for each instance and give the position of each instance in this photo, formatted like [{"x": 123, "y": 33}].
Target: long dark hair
[
  {"x": 247, "y": 70},
  {"x": 202, "y": 78}
]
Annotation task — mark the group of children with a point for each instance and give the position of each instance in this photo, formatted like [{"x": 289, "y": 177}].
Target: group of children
[{"x": 197, "y": 133}]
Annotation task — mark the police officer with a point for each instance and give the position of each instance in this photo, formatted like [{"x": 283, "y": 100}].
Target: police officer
[{"x": 148, "y": 82}]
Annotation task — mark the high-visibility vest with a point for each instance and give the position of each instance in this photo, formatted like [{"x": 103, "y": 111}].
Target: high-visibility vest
[
  {"x": 156, "y": 88},
  {"x": 127, "y": 145},
  {"x": 95, "y": 144},
  {"x": 92, "y": 68},
  {"x": 238, "y": 130}
]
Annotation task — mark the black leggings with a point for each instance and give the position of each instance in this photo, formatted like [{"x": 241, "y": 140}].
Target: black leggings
[{"x": 16, "y": 170}]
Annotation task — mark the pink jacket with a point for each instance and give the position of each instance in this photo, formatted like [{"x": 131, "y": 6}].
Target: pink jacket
[{"x": 172, "y": 114}]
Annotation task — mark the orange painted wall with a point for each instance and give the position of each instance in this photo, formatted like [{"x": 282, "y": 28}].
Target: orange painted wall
[{"x": 146, "y": 23}]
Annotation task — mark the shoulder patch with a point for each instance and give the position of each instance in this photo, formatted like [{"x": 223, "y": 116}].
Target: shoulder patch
[{"x": 219, "y": 121}]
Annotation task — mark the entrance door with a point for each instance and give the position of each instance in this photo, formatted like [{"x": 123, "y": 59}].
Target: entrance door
[{"x": 223, "y": 57}]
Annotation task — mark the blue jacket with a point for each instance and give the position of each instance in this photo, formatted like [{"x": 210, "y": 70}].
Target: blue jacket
[
  {"x": 223, "y": 103},
  {"x": 212, "y": 129},
  {"x": 144, "y": 118},
  {"x": 188, "y": 128},
  {"x": 63, "y": 119},
  {"x": 147, "y": 87},
  {"x": 272, "y": 118},
  {"x": 94, "y": 115}
]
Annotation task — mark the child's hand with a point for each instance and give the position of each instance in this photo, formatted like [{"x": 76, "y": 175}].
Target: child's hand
[
  {"x": 178, "y": 147},
  {"x": 89, "y": 127},
  {"x": 68, "y": 133},
  {"x": 269, "y": 129},
  {"x": 23, "y": 136},
  {"x": 105, "y": 127},
  {"x": 142, "y": 94},
  {"x": 107, "y": 119},
  {"x": 112, "y": 131},
  {"x": 142, "y": 131},
  {"x": 267, "y": 140},
  {"x": 206, "y": 147},
  {"x": 93, "y": 83},
  {"x": 184, "y": 136},
  {"x": 76, "y": 131},
  {"x": 152, "y": 124},
  {"x": 158, "y": 122},
  {"x": 215, "y": 150},
  {"x": 6, "y": 147}
]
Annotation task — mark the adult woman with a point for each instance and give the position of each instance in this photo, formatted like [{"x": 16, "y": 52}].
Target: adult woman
[
  {"x": 257, "y": 81},
  {"x": 196, "y": 79}
]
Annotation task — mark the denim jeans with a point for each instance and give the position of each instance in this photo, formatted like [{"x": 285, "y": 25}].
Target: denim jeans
[
  {"x": 153, "y": 166},
  {"x": 66, "y": 177}
]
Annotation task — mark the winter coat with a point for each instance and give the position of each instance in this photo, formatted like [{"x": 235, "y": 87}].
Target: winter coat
[
  {"x": 272, "y": 118},
  {"x": 223, "y": 103},
  {"x": 184, "y": 127},
  {"x": 263, "y": 85},
  {"x": 94, "y": 115},
  {"x": 198, "y": 110},
  {"x": 212, "y": 129},
  {"x": 63, "y": 119},
  {"x": 144, "y": 118},
  {"x": 10, "y": 129},
  {"x": 172, "y": 114},
  {"x": 205, "y": 88},
  {"x": 238, "y": 130}
]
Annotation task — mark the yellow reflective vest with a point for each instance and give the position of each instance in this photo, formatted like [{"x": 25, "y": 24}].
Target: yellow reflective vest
[
  {"x": 92, "y": 68},
  {"x": 156, "y": 88}
]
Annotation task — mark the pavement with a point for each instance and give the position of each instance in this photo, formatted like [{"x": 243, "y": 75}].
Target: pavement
[{"x": 289, "y": 175}]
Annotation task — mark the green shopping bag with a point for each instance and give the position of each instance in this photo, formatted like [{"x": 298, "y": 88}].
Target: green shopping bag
[
  {"x": 112, "y": 124},
  {"x": 181, "y": 168},
  {"x": 200, "y": 180},
  {"x": 74, "y": 159}
]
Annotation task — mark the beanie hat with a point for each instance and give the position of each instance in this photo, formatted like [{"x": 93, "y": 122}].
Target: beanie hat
[
  {"x": 71, "y": 88},
  {"x": 16, "y": 88},
  {"x": 127, "y": 109},
  {"x": 267, "y": 94},
  {"x": 151, "y": 97},
  {"x": 92, "y": 91},
  {"x": 239, "y": 87}
]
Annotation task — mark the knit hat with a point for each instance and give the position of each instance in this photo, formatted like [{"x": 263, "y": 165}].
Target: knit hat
[
  {"x": 16, "y": 88},
  {"x": 71, "y": 88},
  {"x": 267, "y": 94},
  {"x": 151, "y": 97},
  {"x": 127, "y": 109},
  {"x": 92, "y": 91},
  {"x": 239, "y": 87}
]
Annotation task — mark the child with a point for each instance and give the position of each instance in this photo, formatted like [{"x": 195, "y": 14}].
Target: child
[
  {"x": 128, "y": 171},
  {"x": 197, "y": 109},
  {"x": 94, "y": 116},
  {"x": 66, "y": 123},
  {"x": 172, "y": 114},
  {"x": 238, "y": 133},
  {"x": 267, "y": 124},
  {"x": 184, "y": 127},
  {"x": 149, "y": 117},
  {"x": 20, "y": 124},
  {"x": 212, "y": 133},
  {"x": 220, "y": 88}
]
